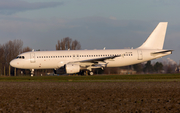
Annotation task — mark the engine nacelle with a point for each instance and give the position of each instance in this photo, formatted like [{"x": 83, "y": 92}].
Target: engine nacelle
[{"x": 72, "y": 68}]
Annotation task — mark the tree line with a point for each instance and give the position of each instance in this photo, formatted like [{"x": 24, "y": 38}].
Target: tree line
[
  {"x": 142, "y": 68},
  {"x": 8, "y": 52}
]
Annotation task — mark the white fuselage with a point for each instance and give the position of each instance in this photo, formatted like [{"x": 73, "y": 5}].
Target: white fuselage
[{"x": 57, "y": 59}]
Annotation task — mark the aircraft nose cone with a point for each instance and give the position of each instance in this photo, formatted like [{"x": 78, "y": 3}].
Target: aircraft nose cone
[{"x": 13, "y": 63}]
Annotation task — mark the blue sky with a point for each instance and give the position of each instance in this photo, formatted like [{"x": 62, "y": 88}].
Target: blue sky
[{"x": 96, "y": 24}]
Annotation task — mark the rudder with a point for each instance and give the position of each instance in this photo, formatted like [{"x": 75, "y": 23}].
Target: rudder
[{"x": 156, "y": 38}]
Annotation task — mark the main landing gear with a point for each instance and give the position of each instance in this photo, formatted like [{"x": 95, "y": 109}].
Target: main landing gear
[
  {"x": 86, "y": 72},
  {"x": 91, "y": 73}
]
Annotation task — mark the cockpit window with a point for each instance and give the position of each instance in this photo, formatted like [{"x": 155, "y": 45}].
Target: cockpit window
[{"x": 20, "y": 57}]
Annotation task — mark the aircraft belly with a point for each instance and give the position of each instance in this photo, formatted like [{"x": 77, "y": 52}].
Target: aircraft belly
[{"x": 47, "y": 64}]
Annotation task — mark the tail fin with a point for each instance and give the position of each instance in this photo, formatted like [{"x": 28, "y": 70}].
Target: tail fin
[{"x": 156, "y": 39}]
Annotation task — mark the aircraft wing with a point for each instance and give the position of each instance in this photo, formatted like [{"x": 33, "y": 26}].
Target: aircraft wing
[
  {"x": 99, "y": 59},
  {"x": 96, "y": 62}
]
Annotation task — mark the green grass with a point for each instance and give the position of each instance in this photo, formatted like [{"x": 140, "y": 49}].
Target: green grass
[{"x": 96, "y": 78}]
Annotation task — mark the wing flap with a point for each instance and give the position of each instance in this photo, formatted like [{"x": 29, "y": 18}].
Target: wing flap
[{"x": 96, "y": 60}]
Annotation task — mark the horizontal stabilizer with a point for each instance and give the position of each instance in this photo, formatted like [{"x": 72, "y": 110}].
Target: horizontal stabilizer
[{"x": 161, "y": 52}]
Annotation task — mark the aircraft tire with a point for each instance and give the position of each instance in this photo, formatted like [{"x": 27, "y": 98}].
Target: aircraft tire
[{"x": 91, "y": 73}]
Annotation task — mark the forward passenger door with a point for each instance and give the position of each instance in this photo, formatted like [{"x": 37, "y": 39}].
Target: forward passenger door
[{"x": 32, "y": 58}]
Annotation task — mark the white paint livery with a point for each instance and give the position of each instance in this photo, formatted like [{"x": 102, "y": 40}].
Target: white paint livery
[{"x": 74, "y": 61}]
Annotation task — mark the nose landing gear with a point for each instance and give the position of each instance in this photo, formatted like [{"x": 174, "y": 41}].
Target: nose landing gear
[{"x": 32, "y": 72}]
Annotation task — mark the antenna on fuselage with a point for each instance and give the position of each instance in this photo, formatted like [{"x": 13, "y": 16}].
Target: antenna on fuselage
[
  {"x": 33, "y": 50},
  {"x": 104, "y": 48}
]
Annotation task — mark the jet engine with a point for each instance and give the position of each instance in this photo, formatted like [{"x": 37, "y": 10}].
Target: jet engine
[{"x": 72, "y": 68}]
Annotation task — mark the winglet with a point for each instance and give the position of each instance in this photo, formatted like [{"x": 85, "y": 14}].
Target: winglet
[{"x": 156, "y": 39}]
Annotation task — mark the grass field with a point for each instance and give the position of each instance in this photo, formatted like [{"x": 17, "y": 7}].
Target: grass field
[{"x": 95, "y": 78}]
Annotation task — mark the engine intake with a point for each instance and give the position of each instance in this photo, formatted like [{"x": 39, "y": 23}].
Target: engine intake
[{"x": 72, "y": 68}]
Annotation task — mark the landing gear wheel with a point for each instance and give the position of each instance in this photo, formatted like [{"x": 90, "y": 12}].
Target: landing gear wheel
[{"x": 91, "y": 73}]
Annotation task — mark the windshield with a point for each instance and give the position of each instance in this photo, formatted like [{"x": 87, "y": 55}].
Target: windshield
[{"x": 20, "y": 57}]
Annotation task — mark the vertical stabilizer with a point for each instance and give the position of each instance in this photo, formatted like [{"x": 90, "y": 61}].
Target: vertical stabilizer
[{"x": 156, "y": 39}]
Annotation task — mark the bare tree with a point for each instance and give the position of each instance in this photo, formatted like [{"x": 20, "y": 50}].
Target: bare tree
[
  {"x": 75, "y": 45},
  {"x": 10, "y": 50},
  {"x": 26, "y": 49},
  {"x": 1, "y": 60},
  {"x": 68, "y": 43}
]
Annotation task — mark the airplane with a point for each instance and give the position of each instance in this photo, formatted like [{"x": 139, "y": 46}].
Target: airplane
[{"x": 76, "y": 61}]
